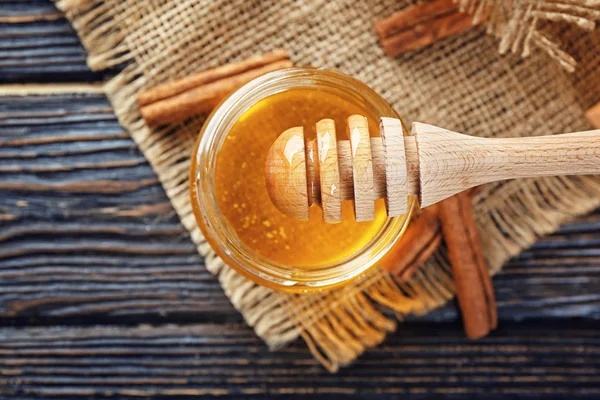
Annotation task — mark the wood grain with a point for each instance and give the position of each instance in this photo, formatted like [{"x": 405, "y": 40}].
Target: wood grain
[
  {"x": 329, "y": 171},
  {"x": 85, "y": 228},
  {"x": 396, "y": 193},
  {"x": 451, "y": 162},
  {"x": 362, "y": 168},
  {"x": 227, "y": 359},
  {"x": 37, "y": 44}
]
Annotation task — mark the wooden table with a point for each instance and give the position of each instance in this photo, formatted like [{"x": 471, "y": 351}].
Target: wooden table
[{"x": 103, "y": 294}]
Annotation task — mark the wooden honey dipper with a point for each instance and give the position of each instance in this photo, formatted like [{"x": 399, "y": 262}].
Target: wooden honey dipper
[{"x": 432, "y": 163}]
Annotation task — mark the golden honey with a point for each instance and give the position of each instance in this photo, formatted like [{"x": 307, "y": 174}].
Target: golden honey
[{"x": 242, "y": 195}]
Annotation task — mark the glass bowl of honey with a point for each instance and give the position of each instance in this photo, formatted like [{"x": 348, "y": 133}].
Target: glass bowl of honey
[{"x": 229, "y": 195}]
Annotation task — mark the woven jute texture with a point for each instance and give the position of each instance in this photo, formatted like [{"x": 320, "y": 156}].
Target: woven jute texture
[{"x": 461, "y": 83}]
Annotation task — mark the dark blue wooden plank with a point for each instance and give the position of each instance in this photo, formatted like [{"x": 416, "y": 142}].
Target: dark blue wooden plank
[
  {"x": 531, "y": 359},
  {"x": 37, "y": 44}
]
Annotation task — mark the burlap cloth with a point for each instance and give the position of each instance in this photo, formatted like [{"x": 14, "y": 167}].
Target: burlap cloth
[{"x": 461, "y": 83}]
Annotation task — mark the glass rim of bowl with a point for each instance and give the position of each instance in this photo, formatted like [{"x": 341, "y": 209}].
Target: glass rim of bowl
[{"x": 215, "y": 227}]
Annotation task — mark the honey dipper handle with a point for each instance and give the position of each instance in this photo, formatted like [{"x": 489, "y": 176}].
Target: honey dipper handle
[
  {"x": 451, "y": 162},
  {"x": 432, "y": 163}
]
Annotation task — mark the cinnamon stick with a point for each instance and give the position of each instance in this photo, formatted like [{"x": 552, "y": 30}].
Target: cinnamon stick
[
  {"x": 425, "y": 34},
  {"x": 421, "y": 25},
  {"x": 199, "y": 93},
  {"x": 453, "y": 220},
  {"x": 178, "y": 86},
  {"x": 412, "y": 16},
  {"x": 421, "y": 239},
  {"x": 474, "y": 288},
  {"x": 593, "y": 115}
]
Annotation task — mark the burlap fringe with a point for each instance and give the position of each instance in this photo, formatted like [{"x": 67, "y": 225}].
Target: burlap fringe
[
  {"x": 354, "y": 323},
  {"x": 339, "y": 325},
  {"x": 517, "y": 23}
]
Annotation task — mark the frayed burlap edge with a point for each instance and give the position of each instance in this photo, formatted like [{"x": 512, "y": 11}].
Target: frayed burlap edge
[
  {"x": 351, "y": 321},
  {"x": 517, "y": 23}
]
